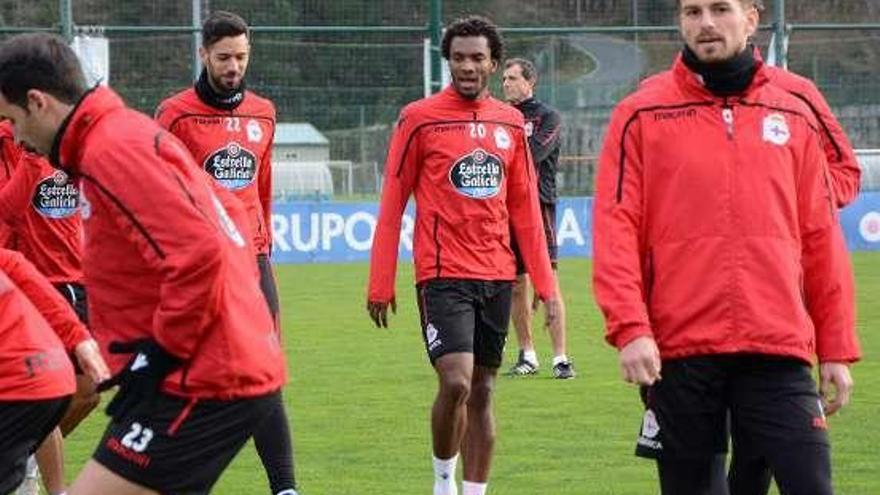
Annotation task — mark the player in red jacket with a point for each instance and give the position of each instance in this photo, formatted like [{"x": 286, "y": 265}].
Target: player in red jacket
[
  {"x": 230, "y": 130},
  {"x": 40, "y": 206},
  {"x": 464, "y": 156},
  {"x": 37, "y": 331},
  {"x": 173, "y": 292},
  {"x": 720, "y": 265}
]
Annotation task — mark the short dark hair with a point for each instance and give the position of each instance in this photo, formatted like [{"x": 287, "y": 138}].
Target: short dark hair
[
  {"x": 222, "y": 24},
  {"x": 526, "y": 66},
  {"x": 40, "y": 61},
  {"x": 758, "y": 4},
  {"x": 474, "y": 26}
]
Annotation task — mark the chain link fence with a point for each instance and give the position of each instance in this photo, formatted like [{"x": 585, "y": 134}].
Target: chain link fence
[{"x": 348, "y": 66}]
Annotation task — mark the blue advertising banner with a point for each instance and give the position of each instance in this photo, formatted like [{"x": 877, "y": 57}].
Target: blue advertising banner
[
  {"x": 861, "y": 223},
  {"x": 323, "y": 232}
]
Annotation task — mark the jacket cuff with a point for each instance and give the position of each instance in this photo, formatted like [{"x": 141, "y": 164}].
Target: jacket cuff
[{"x": 620, "y": 337}]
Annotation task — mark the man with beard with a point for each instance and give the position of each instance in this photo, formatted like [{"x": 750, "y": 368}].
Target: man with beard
[
  {"x": 464, "y": 156},
  {"x": 720, "y": 265},
  {"x": 230, "y": 130}
]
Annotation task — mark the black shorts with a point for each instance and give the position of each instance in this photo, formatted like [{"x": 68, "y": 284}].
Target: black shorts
[
  {"x": 548, "y": 213},
  {"x": 178, "y": 446},
  {"x": 75, "y": 294},
  {"x": 267, "y": 285},
  {"x": 465, "y": 316},
  {"x": 772, "y": 403},
  {"x": 23, "y": 427}
]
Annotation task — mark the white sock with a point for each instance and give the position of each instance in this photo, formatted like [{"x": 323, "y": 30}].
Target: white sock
[
  {"x": 287, "y": 492},
  {"x": 530, "y": 356},
  {"x": 444, "y": 476},
  {"x": 562, "y": 358},
  {"x": 471, "y": 488}
]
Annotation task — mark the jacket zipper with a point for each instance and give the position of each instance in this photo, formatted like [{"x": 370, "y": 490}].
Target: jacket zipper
[{"x": 727, "y": 117}]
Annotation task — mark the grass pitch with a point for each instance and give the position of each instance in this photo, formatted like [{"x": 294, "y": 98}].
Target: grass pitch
[{"x": 359, "y": 399}]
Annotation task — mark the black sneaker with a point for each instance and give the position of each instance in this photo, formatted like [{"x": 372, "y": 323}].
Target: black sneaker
[
  {"x": 563, "y": 370},
  {"x": 522, "y": 367}
]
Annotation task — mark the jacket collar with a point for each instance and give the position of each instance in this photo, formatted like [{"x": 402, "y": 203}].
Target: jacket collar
[
  {"x": 449, "y": 92},
  {"x": 67, "y": 149},
  {"x": 692, "y": 83}
]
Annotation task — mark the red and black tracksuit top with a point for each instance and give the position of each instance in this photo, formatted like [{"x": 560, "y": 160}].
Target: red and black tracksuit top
[
  {"x": 38, "y": 329},
  {"x": 467, "y": 164},
  {"x": 232, "y": 146},
  {"x": 715, "y": 228},
  {"x": 162, "y": 258},
  {"x": 843, "y": 165},
  {"x": 41, "y": 205},
  {"x": 543, "y": 124}
]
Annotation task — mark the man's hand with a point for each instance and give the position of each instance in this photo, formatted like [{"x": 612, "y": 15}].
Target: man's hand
[
  {"x": 379, "y": 311},
  {"x": 90, "y": 361},
  {"x": 141, "y": 379},
  {"x": 834, "y": 378},
  {"x": 640, "y": 361}
]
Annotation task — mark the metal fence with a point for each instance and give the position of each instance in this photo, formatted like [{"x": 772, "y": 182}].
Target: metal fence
[{"x": 348, "y": 66}]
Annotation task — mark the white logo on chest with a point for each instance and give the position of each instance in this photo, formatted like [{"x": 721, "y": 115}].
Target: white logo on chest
[{"x": 776, "y": 129}]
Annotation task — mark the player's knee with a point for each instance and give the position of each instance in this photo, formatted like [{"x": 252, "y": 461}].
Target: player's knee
[
  {"x": 456, "y": 388},
  {"x": 481, "y": 394}
]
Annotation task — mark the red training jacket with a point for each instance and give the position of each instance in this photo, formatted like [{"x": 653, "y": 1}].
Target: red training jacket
[
  {"x": 8, "y": 159},
  {"x": 163, "y": 259},
  {"x": 41, "y": 205},
  {"x": 234, "y": 147},
  {"x": 843, "y": 165},
  {"x": 715, "y": 230},
  {"x": 468, "y": 164},
  {"x": 37, "y": 330}
]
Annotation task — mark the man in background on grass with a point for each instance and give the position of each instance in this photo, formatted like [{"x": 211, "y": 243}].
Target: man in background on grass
[
  {"x": 720, "y": 265},
  {"x": 230, "y": 130},
  {"x": 464, "y": 156},
  {"x": 543, "y": 123}
]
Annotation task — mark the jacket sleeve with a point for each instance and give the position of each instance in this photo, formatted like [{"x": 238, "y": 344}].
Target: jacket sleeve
[
  {"x": 401, "y": 171},
  {"x": 545, "y": 139},
  {"x": 618, "y": 281},
  {"x": 526, "y": 221},
  {"x": 16, "y": 194},
  {"x": 173, "y": 233},
  {"x": 828, "y": 278},
  {"x": 842, "y": 162},
  {"x": 164, "y": 114},
  {"x": 265, "y": 185},
  {"x": 56, "y": 311}
]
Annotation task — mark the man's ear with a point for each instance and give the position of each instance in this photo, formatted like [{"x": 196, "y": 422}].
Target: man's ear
[{"x": 36, "y": 100}]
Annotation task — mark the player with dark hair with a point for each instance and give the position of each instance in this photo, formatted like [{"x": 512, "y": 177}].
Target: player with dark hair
[
  {"x": 543, "y": 124},
  {"x": 720, "y": 265},
  {"x": 230, "y": 130},
  {"x": 173, "y": 294},
  {"x": 464, "y": 157},
  {"x": 40, "y": 205}
]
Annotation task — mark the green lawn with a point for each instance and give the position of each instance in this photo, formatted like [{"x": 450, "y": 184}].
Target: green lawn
[{"x": 359, "y": 398}]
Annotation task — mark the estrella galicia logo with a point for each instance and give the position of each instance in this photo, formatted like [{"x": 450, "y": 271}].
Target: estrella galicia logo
[
  {"x": 56, "y": 196},
  {"x": 233, "y": 166},
  {"x": 477, "y": 175}
]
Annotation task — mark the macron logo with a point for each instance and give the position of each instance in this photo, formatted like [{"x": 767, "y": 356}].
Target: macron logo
[{"x": 140, "y": 361}]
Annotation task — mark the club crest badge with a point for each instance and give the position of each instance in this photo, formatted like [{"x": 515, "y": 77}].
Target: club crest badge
[{"x": 776, "y": 129}]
